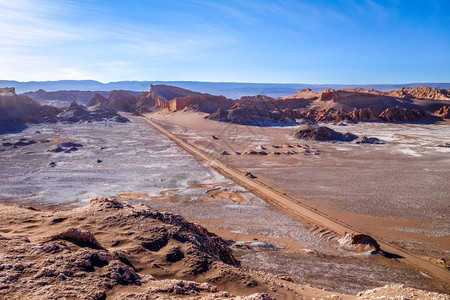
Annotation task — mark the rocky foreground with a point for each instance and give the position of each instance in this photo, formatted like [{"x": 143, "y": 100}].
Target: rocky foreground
[{"x": 114, "y": 250}]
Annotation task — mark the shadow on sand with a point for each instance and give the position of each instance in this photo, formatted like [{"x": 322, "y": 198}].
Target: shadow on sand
[{"x": 391, "y": 255}]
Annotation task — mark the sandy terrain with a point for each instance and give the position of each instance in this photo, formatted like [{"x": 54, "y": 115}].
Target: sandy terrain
[
  {"x": 110, "y": 249},
  {"x": 147, "y": 167},
  {"x": 374, "y": 187}
]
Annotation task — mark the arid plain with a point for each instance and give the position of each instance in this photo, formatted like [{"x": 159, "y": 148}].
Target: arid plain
[{"x": 386, "y": 180}]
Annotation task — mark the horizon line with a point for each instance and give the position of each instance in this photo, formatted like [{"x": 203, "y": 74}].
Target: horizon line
[{"x": 225, "y": 82}]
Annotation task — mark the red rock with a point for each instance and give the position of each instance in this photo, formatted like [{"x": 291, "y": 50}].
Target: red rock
[
  {"x": 422, "y": 92},
  {"x": 363, "y": 114},
  {"x": 175, "y": 99},
  {"x": 399, "y": 114},
  {"x": 443, "y": 112},
  {"x": 117, "y": 100}
]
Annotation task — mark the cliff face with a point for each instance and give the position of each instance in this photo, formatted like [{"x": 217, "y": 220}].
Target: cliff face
[
  {"x": 175, "y": 98},
  {"x": 15, "y": 107}
]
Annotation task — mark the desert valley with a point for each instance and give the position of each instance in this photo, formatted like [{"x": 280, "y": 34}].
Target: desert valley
[{"x": 175, "y": 193}]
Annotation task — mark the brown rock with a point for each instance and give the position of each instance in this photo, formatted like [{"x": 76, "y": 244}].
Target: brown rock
[
  {"x": 443, "y": 112},
  {"x": 422, "y": 92},
  {"x": 321, "y": 133},
  {"x": 359, "y": 243},
  {"x": 399, "y": 114},
  {"x": 363, "y": 114},
  {"x": 78, "y": 237}
]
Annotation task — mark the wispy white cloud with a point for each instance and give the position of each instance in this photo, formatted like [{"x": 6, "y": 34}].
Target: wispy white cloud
[{"x": 46, "y": 35}]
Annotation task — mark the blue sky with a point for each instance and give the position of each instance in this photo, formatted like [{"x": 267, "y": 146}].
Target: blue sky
[{"x": 284, "y": 41}]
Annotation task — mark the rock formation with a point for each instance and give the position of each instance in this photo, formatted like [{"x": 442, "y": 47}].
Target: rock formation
[
  {"x": 175, "y": 99},
  {"x": 97, "y": 100},
  {"x": 63, "y": 98},
  {"x": 253, "y": 110},
  {"x": 79, "y": 113},
  {"x": 368, "y": 140},
  {"x": 145, "y": 103},
  {"x": 321, "y": 133},
  {"x": 422, "y": 92},
  {"x": 125, "y": 250},
  {"x": 114, "y": 250},
  {"x": 363, "y": 114},
  {"x": 359, "y": 243},
  {"x": 117, "y": 100},
  {"x": 443, "y": 112},
  {"x": 329, "y": 115},
  {"x": 399, "y": 114},
  {"x": 304, "y": 94},
  {"x": 15, "y": 107},
  {"x": 358, "y": 105}
]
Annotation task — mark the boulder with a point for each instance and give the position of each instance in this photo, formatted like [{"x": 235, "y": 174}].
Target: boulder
[
  {"x": 368, "y": 140},
  {"x": 359, "y": 243},
  {"x": 321, "y": 133}
]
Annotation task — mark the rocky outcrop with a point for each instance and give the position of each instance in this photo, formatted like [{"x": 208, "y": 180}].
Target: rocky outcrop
[
  {"x": 399, "y": 291},
  {"x": 303, "y": 94},
  {"x": 115, "y": 250},
  {"x": 145, "y": 103},
  {"x": 79, "y": 113},
  {"x": 368, "y": 140},
  {"x": 118, "y": 100},
  {"x": 22, "y": 109},
  {"x": 122, "y": 101},
  {"x": 63, "y": 98},
  {"x": 175, "y": 99},
  {"x": 359, "y": 243},
  {"x": 422, "y": 92},
  {"x": 329, "y": 115},
  {"x": 123, "y": 240},
  {"x": 98, "y": 100},
  {"x": 399, "y": 114},
  {"x": 443, "y": 112},
  {"x": 361, "y": 105},
  {"x": 15, "y": 107},
  {"x": 53, "y": 269},
  {"x": 219, "y": 115},
  {"x": 78, "y": 237},
  {"x": 7, "y": 91},
  {"x": 363, "y": 114},
  {"x": 346, "y": 95},
  {"x": 321, "y": 133},
  {"x": 254, "y": 110}
]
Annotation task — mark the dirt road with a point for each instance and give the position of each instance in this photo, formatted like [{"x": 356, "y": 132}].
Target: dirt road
[{"x": 303, "y": 211}]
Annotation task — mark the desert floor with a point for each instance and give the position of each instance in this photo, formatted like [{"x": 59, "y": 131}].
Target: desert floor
[{"x": 399, "y": 191}]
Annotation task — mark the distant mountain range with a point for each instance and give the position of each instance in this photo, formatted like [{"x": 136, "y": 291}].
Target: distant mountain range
[{"x": 227, "y": 89}]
